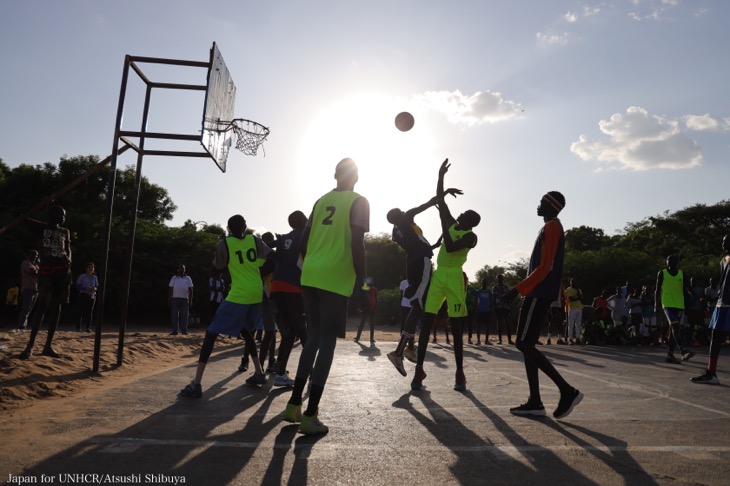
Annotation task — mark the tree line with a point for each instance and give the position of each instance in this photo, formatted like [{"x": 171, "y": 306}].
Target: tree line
[{"x": 598, "y": 261}]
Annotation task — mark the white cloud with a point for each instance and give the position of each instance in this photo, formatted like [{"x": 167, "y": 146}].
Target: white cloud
[
  {"x": 638, "y": 140},
  {"x": 706, "y": 123},
  {"x": 571, "y": 17},
  {"x": 481, "y": 107},
  {"x": 552, "y": 39},
  {"x": 652, "y": 9}
]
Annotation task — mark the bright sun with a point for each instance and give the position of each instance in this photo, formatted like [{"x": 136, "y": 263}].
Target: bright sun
[{"x": 397, "y": 169}]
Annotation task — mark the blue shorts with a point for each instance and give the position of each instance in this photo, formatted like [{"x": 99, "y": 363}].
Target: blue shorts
[
  {"x": 720, "y": 320},
  {"x": 673, "y": 314},
  {"x": 230, "y": 318}
]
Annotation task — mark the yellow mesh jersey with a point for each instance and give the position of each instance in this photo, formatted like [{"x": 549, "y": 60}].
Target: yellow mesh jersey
[
  {"x": 455, "y": 259},
  {"x": 328, "y": 263},
  {"x": 243, "y": 265}
]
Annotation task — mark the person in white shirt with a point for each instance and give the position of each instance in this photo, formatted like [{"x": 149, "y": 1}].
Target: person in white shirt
[{"x": 180, "y": 300}]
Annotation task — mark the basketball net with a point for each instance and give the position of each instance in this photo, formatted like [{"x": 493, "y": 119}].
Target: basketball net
[{"x": 250, "y": 135}]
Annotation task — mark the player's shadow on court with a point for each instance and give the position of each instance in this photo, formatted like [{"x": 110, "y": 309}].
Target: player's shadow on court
[
  {"x": 620, "y": 460},
  {"x": 205, "y": 440},
  {"x": 369, "y": 350},
  {"x": 472, "y": 465}
]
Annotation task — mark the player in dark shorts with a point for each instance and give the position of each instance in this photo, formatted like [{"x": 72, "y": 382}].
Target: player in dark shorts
[
  {"x": 418, "y": 272},
  {"x": 286, "y": 290},
  {"x": 333, "y": 249},
  {"x": 720, "y": 320},
  {"x": 539, "y": 289},
  {"x": 447, "y": 283},
  {"x": 54, "y": 277}
]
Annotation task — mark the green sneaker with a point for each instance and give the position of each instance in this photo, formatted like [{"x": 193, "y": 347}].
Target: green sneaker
[
  {"x": 312, "y": 426},
  {"x": 292, "y": 414}
]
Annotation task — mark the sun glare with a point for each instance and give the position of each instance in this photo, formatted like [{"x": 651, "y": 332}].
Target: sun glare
[{"x": 397, "y": 169}]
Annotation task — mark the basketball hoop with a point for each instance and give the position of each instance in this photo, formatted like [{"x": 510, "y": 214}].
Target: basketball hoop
[{"x": 250, "y": 135}]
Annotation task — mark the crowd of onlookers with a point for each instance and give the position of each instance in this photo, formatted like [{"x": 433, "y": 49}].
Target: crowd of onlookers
[{"x": 626, "y": 315}]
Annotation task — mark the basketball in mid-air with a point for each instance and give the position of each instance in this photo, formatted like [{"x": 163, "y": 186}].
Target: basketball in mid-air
[{"x": 404, "y": 121}]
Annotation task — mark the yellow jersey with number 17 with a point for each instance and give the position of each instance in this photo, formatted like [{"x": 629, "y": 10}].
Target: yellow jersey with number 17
[{"x": 328, "y": 263}]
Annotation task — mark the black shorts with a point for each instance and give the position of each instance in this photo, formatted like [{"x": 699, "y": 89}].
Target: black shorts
[{"x": 57, "y": 284}]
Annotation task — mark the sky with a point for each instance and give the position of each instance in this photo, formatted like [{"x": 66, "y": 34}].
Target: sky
[{"x": 623, "y": 106}]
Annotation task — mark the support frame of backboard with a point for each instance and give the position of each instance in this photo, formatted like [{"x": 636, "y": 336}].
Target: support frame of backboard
[{"x": 215, "y": 138}]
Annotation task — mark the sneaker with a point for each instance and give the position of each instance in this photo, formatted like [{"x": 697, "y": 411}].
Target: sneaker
[
  {"x": 460, "y": 384},
  {"x": 549, "y": 342},
  {"x": 397, "y": 362},
  {"x": 193, "y": 390},
  {"x": 283, "y": 380},
  {"x": 49, "y": 351},
  {"x": 25, "y": 354},
  {"x": 687, "y": 355},
  {"x": 410, "y": 355},
  {"x": 256, "y": 380},
  {"x": 535, "y": 409},
  {"x": 510, "y": 342},
  {"x": 418, "y": 378},
  {"x": 671, "y": 359},
  {"x": 567, "y": 403},
  {"x": 292, "y": 413},
  {"x": 312, "y": 426},
  {"x": 706, "y": 379},
  {"x": 243, "y": 367},
  {"x": 479, "y": 343}
]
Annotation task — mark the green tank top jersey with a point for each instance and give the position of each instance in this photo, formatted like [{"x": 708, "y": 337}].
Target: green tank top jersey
[
  {"x": 243, "y": 265},
  {"x": 328, "y": 263},
  {"x": 673, "y": 290},
  {"x": 455, "y": 259}
]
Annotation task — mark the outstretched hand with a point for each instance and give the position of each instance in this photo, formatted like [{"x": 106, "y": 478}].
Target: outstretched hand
[
  {"x": 453, "y": 192},
  {"x": 444, "y": 167}
]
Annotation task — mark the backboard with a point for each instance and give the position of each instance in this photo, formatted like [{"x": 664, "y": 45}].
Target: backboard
[{"x": 220, "y": 100}]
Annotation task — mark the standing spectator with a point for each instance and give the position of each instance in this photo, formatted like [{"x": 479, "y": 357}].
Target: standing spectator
[
  {"x": 669, "y": 295},
  {"x": 54, "y": 277},
  {"x": 694, "y": 305},
  {"x": 86, "y": 284},
  {"x": 484, "y": 311},
  {"x": 369, "y": 309},
  {"x": 556, "y": 318},
  {"x": 501, "y": 309},
  {"x": 648, "y": 314},
  {"x": 539, "y": 289},
  {"x": 12, "y": 301},
  {"x": 712, "y": 295},
  {"x": 720, "y": 321},
  {"x": 28, "y": 287},
  {"x": 180, "y": 300},
  {"x": 574, "y": 308},
  {"x": 600, "y": 306},
  {"x": 334, "y": 260},
  {"x": 217, "y": 288},
  {"x": 636, "y": 317},
  {"x": 619, "y": 309},
  {"x": 471, "y": 310}
]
